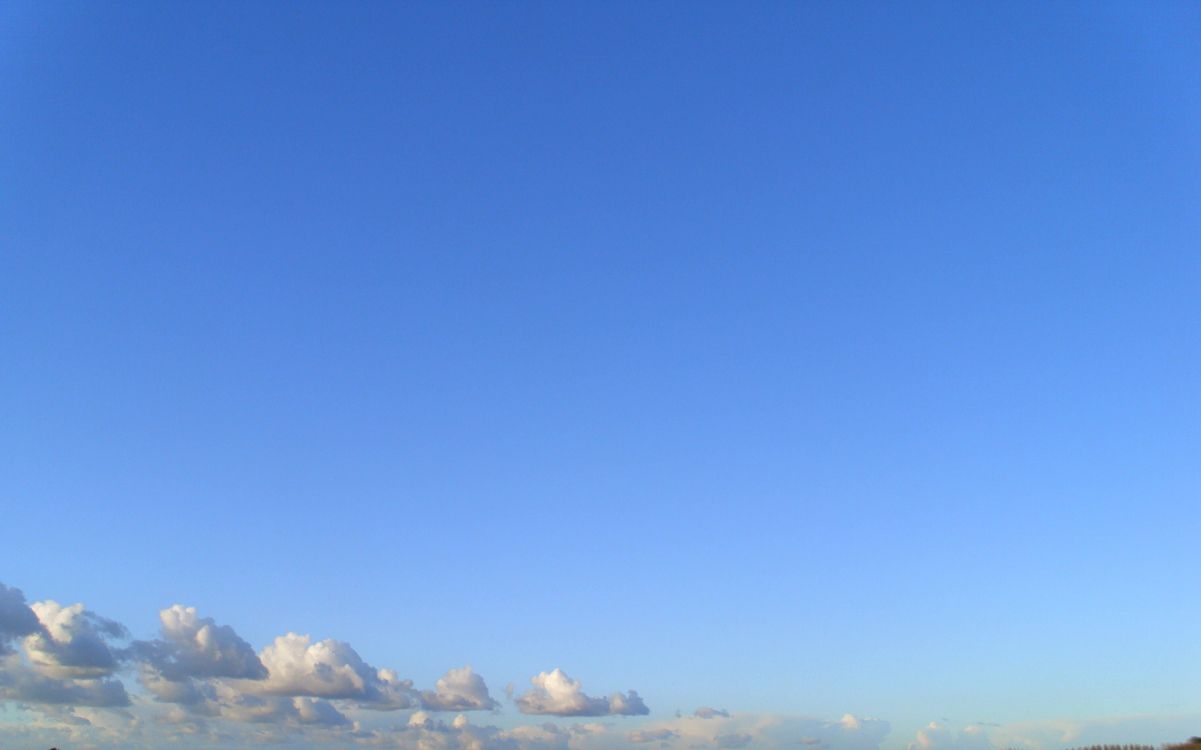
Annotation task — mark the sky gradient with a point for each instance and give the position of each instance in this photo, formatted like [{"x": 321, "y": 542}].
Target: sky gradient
[{"x": 795, "y": 361}]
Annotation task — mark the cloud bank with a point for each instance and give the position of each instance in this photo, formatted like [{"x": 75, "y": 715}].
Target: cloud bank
[
  {"x": 65, "y": 669},
  {"x": 72, "y": 677}
]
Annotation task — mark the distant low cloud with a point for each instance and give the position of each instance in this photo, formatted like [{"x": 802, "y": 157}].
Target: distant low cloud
[
  {"x": 705, "y": 712},
  {"x": 939, "y": 736},
  {"x": 652, "y": 735},
  {"x": 733, "y": 740},
  {"x": 1053, "y": 733},
  {"x": 556, "y": 694},
  {"x": 714, "y": 729},
  {"x": 425, "y": 732}
]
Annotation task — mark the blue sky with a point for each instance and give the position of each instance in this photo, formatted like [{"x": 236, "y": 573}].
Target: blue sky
[{"x": 791, "y": 359}]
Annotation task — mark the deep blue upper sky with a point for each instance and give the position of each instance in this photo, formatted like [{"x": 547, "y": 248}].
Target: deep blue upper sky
[{"x": 791, "y": 357}]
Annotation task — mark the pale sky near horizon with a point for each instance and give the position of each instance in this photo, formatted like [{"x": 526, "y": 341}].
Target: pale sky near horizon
[{"x": 831, "y": 365}]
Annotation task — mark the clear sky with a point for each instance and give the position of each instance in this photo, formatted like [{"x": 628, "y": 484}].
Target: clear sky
[{"x": 789, "y": 359}]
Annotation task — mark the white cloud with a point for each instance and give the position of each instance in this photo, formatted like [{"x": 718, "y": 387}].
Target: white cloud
[
  {"x": 329, "y": 669},
  {"x": 66, "y": 658},
  {"x": 458, "y": 690},
  {"x": 16, "y": 618},
  {"x": 73, "y": 641},
  {"x": 194, "y": 646},
  {"x": 556, "y": 694}
]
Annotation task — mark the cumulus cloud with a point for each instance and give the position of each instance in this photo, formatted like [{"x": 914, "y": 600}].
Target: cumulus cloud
[
  {"x": 210, "y": 671},
  {"x": 194, "y": 646},
  {"x": 73, "y": 641},
  {"x": 197, "y": 695},
  {"x": 556, "y": 694},
  {"x": 458, "y": 690},
  {"x": 705, "y": 712},
  {"x": 24, "y": 685},
  {"x": 69, "y": 661},
  {"x": 274, "y": 709},
  {"x": 16, "y": 618},
  {"x": 329, "y": 669},
  {"x": 66, "y": 659}
]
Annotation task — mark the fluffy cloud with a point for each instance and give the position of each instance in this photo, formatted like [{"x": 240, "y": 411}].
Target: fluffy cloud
[
  {"x": 73, "y": 641},
  {"x": 210, "y": 671},
  {"x": 458, "y": 690},
  {"x": 16, "y": 618},
  {"x": 69, "y": 662},
  {"x": 194, "y": 646},
  {"x": 329, "y": 669},
  {"x": 182, "y": 666},
  {"x": 556, "y": 694},
  {"x": 24, "y": 685},
  {"x": 66, "y": 658}
]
